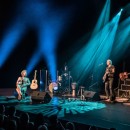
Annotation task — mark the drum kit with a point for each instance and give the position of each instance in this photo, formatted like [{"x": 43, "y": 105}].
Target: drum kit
[{"x": 63, "y": 83}]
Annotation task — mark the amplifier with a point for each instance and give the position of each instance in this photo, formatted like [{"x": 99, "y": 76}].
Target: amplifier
[
  {"x": 127, "y": 81},
  {"x": 125, "y": 87},
  {"x": 40, "y": 96}
]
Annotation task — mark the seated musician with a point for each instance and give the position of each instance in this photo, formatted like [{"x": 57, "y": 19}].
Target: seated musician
[{"x": 21, "y": 85}]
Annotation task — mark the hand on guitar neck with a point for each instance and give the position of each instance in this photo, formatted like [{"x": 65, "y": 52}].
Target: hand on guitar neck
[{"x": 34, "y": 84}]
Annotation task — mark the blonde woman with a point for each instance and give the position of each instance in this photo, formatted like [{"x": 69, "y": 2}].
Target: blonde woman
[{"x": 21, "y": 85}]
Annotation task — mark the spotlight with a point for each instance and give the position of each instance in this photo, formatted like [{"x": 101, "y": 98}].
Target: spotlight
[{"x": 120, "y": 12}]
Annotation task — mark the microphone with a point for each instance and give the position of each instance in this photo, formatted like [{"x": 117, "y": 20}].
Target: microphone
[{"x": 100, "y": 64}]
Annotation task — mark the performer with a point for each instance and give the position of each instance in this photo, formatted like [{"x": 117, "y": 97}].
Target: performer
[
  {"x": 108, "y": 78},
  {"x": 21, "y": 84}
]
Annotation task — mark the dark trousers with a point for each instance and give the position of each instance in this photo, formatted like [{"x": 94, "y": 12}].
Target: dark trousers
[{"x": 109, "y": 87}]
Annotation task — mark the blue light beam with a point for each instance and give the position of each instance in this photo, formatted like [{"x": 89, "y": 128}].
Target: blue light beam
[
  {"x": 10, "y": 41},
  {"x": 97, "y": 50},
  {"x": 122, "y": 39},
  {"x": 49, "y": 33},
  {"x": 103, "y": 19},
  {"x": 33, "y": 61}
]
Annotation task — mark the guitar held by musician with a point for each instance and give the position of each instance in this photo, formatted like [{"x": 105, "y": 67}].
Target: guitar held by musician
[
  {"x": 34, "y": 84},
  {"x": 105, "y": 77}
]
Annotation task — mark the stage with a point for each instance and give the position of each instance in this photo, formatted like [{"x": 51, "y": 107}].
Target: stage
[{"x": 103, "y": 114}]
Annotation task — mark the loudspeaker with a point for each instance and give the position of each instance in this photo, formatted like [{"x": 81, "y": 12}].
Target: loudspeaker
[
  {"x": 40, "y": 96},
  {"x": 127, "y": 81},
  {"x": 94, "y": 96}
]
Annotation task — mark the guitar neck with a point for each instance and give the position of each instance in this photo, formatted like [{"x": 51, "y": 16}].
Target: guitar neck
[{"x": 35, "y": 75}]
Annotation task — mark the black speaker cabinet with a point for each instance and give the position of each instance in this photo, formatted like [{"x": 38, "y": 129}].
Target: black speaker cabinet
[
  {"x": 94, "y": 96},
  {"x": 40, "y": 96},
  {"x": 127, "y": 81}
]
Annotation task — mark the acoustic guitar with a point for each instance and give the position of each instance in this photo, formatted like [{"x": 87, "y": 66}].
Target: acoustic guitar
[
  {"x": 105, "y": 77},
  {"x": 34, "y": 84}
]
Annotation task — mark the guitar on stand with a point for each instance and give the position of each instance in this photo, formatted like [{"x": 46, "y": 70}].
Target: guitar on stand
[{"x": 34, "y": 84}]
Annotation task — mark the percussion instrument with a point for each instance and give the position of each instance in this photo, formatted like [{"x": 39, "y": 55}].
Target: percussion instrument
[
  {"x": 53, "y": 86},
  {"x": 73, "y": 85}
]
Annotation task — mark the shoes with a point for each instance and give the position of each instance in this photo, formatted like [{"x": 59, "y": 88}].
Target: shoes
[{"x": 107, "y": 98}]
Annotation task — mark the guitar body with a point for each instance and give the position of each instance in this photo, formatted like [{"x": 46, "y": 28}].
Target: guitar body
[
  {"x": 105, "y": 77},
  {"x": 34, "y": 84}
]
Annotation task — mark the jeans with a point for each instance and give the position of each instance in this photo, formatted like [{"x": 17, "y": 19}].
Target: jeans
[{"x": 108, "y": 85}]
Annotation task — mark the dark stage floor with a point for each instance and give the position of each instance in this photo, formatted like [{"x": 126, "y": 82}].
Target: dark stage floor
[{"x": 103, "y": 114}]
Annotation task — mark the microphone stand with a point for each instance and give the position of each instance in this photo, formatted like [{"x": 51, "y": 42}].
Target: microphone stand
[{"x": 69, "y": 82}]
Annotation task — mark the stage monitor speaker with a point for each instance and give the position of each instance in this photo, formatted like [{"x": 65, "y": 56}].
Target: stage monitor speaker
[
  {"x": 90, "y": 95},
  {"x": 40, "y": 96}
]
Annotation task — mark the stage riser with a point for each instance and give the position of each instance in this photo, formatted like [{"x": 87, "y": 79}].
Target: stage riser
[
  {"x": 6, "y": 91},
  {"x": 10, "y": 91}
]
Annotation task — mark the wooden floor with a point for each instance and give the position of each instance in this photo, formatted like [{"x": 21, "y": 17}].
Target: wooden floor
[{"x": 103, "y": 114}]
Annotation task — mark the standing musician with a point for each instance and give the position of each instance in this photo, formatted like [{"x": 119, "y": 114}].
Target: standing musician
[
  {"x": 21, "y": 84},
  {"x": 108, "y": 78}
]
